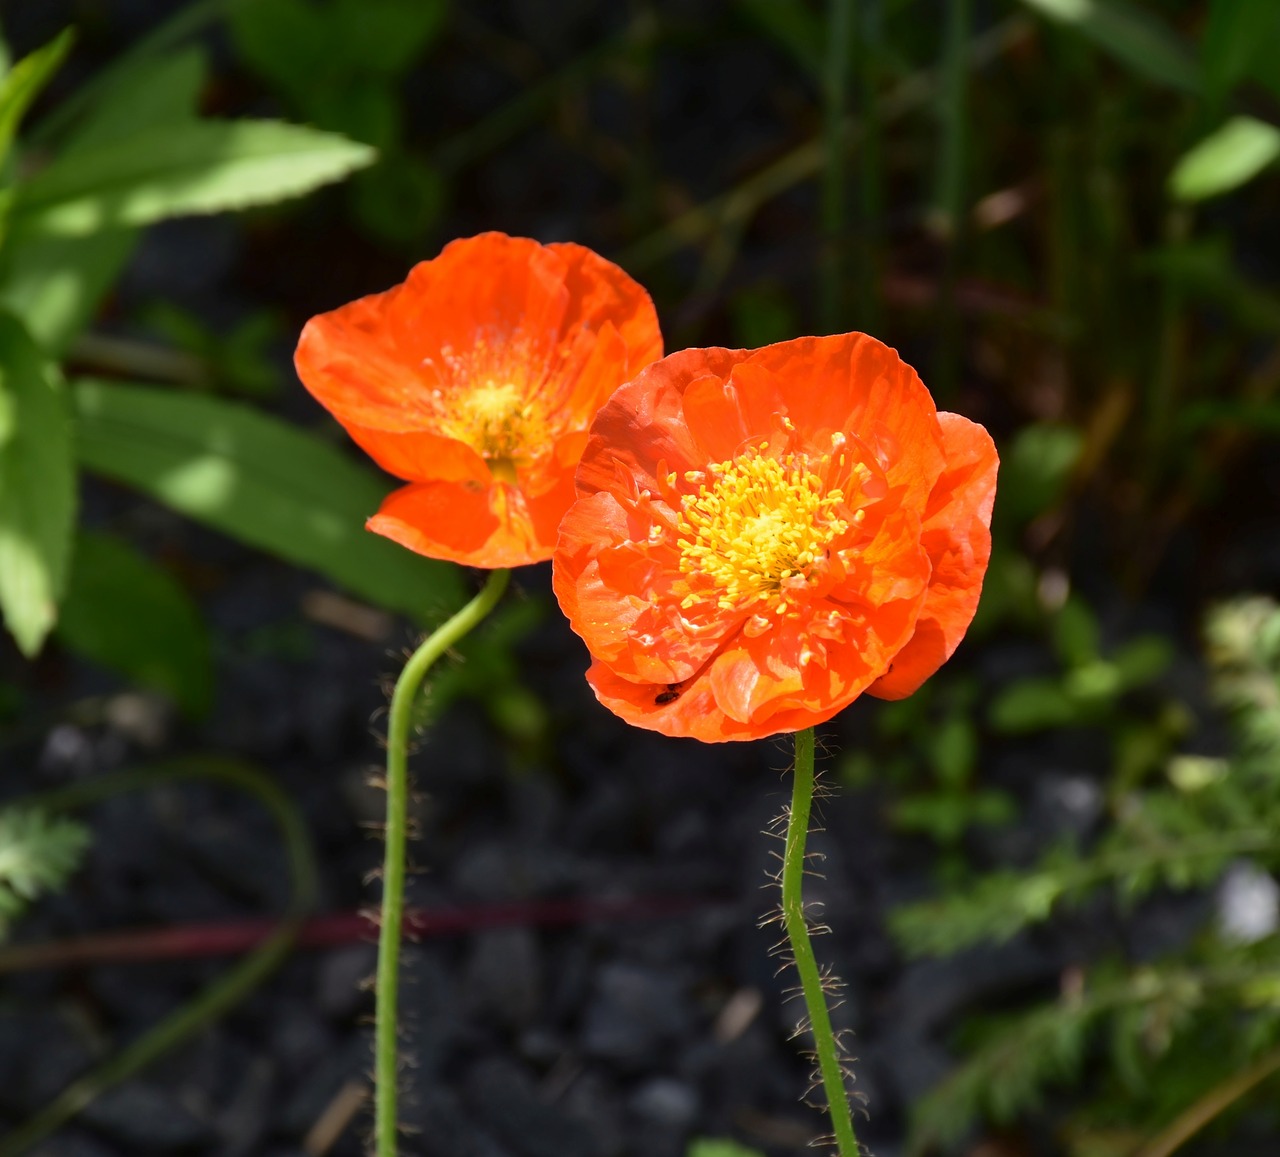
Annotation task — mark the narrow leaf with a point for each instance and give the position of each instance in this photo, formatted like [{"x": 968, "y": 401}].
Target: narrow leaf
[
  {"x": 1240, "y": 39},
  {"x": 1227, "y": 158},
  {"x": 259, "y": 480},
  {"x": 124, "y": 612},
  {"x": 37, "y": 487},
  {"x": 1132, "y": 35},
  {"x": 205, "y": 167},
  {"x": 23, "y": 84}
]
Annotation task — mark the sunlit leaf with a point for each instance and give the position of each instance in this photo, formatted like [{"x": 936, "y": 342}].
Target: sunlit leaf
[
  {"x": 205, "y": 167},
  {"x": 124, "y": 612},
  {"x": 53, "y": 282},
  {"x": 37, "y": 487},
  {"x": 262, "y": 481},
  {"x": 1132, "y": 35},
  {"x": 1227, "y": 158},
  {"x": 38, "y": 854}
]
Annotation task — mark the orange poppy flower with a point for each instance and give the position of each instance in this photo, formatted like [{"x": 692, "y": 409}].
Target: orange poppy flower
[
  {"x": 475, "y": 381},
  {"x": 762, "y": 535}
]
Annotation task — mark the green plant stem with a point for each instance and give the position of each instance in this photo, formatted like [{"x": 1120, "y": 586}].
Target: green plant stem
[
  {"x": 393, "y": 871},
  {"x": 835, "y": 96},
  {"x": 797, "y": 926},
  {"x": 225, "y": 992}
]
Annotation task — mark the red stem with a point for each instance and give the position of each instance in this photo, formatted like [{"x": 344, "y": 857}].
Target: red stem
[{"x": 226, "y": 938}]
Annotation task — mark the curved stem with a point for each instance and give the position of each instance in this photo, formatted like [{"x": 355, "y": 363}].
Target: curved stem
[
  {"x": 798, "y": 933},
  {"x": 1215, "y": 1102},
  {"x": 227, "y": 990},
  {"x": 393, "y": 871}
]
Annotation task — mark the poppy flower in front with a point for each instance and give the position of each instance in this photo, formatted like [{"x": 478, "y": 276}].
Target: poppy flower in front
[
  {"x": 762, "y": 535},
  {"x": 474, "y": 381}
]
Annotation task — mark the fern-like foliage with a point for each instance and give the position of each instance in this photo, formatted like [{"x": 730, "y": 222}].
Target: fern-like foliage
[
  {"x": 1156, "y": 1018},
  {"x": 38, "y": 854},
  {"x": 1200, "y": 1014}
]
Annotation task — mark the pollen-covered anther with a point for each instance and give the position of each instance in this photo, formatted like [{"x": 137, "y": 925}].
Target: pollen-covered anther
[
  {"x": 757, "y": 530},
  {"x": 495, "y": 415}
]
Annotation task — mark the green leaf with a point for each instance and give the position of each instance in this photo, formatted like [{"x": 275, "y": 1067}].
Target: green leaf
[
  {"x": 55, "y": 283},
  {"x": 37, "y": 487},
  {"x": 38, "y": 854},
  {"x": 1132, "y": 35},
  {"x": 1206, "y": 267},
  {"x": 204, "y": 167},
  {"x": 719, "y": 1147},
  {"x": 386, "y": 37},
  {"x": 1076, "y": 637},
  {"x": 1032, "y": 705},
  {"x": 1228, "y": 157},
  {"x": 306, "y": 48},
  {"x": 1035, "y": 471},
  {"x": 289, "y": 42},
  {"x": 1240, "y": 36},
  {"x": 953, "y": 749},
  {"x": 1143, "y": 660},
  {"x": 399, "y": 200},
  {"x": 124, "y": 612},
  {"x": 262, "y": 481},
  {"x": 23, "y": 84},
  {"x": 151, "y": 93}
]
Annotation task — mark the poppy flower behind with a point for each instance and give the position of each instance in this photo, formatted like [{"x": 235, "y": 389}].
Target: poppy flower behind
[
  {"x": 474, "y": 381},
  {"x": 762, "y": 535}
]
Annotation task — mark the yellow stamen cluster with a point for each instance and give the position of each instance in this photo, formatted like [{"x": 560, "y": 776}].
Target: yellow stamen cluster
[
  {"x": 756, "y": 524},
  {"x": 492, "y": 404}
]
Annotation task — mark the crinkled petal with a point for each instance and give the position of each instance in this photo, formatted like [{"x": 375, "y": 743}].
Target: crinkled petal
[{"x": 957, "y": 537}]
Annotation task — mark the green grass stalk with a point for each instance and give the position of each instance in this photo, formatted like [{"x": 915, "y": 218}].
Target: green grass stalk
[
  {"x": 953, "y": 118},
  {"x": 835, "y": 90}
]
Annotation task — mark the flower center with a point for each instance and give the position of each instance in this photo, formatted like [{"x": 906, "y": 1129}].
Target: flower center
[
  {"x": 493, "y": 403},
  {"x": 757, "y": 528}
]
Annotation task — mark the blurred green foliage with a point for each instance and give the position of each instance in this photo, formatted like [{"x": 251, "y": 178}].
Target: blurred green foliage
[
  {"x": 1054, "y": 206},
  {"x": 38, "y": 854},
  {"x": 340, "y": 64},
  {"x": 1157, "y": 1033},
  {"x": 71, "y": 210}
]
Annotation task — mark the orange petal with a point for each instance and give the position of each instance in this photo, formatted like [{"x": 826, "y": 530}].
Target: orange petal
[
  {"x": 559, "y": 323},
  {"x": 643, "y": 423},
  {"x": 464, "y": 522},
  {"x": 957, "y": 537}
]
